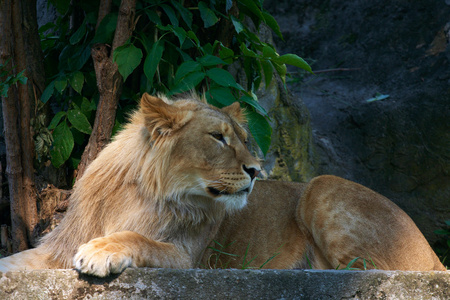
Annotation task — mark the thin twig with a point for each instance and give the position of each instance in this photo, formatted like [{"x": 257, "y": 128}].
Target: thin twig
[
  {"x": 332, "y": 70},
  {"x": 336, "y": 70}
]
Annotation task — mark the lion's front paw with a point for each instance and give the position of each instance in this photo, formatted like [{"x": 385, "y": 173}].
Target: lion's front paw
[{"x": 100, "y": 258}]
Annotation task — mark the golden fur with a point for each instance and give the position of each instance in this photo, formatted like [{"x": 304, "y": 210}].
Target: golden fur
[
  {"x": 178, "y": 176},
  {"x": 324, "y": 224}
]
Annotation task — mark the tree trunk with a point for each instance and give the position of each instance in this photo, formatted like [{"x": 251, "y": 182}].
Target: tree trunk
[
  {"x": 226, "y": 31},
  {"x": 26, "y": 135},
  {"x": 103, "y": 10},
  {"x": 34, "y": 55},
  {"x": 17, "y": 28},
  {"x": 109, "y": 81},
  {"x": 12, "y": 139}
]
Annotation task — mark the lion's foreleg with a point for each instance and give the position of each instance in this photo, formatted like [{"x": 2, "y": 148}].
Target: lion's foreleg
[
  {"x": 117, "y": 251},
  {"x": 32, "y": 259}
]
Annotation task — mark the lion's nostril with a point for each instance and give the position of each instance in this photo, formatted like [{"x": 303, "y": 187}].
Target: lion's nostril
[{"x": 253, "y": 172}]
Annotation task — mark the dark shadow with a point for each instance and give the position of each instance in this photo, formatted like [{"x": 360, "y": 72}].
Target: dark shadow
[{"x": 97, "y": 280}]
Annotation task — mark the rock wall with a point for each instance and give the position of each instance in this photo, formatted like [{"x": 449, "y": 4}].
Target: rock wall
[
  {"x": 226, "y": 284},
  {"x": 398, "y": 142},
  {"x": 291, "y": 156}
]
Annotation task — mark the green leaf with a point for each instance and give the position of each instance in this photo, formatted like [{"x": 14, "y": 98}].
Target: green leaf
[
  {"x": 180, "y": 33},
  {"x": 269, "y": 52},
  {"x": 48, "y": 92},
  {"x": 208, "y": 48},
  {"x": 208, "y": 16},
  {"x": 60, "y": 83},
  {"x": 66, "y": 53},
  {"x": 186, "y": 15},
  {"x": 87, "y": 107},
  {"x": 251, "y": 5},
  {"x": 281, "y": 70},
  {"x": 223, "y": 78},
  {"x": 80, "y": 56},
  {"x": 152, "y": 60},
  {"x": 350, "y": 264},
  {"x": 79, "y": 34},
  {"x": 257, "y": 74},
  {"x": 146, "y": 41},
  {"x": 272, "y": 23},
  {"x": 127, "y": 57},
  {"x": 20, "y": 78},
  {"x": 293, "y": 60},
  {"x": 237, "y": 24},
  {"x": 62, "y": 144},
  {"x": 47, "y": 26},
  {"x": 105, "y": 31},
  {"x": 246, "y": 51},
  {"x": 56, "y": 119},
  {"x": 76, "y": 81},
  {"x": 447, "y": 222},
  {"x": 185, "y": 68},
  {"x": 78, "y": 136},
  {"x": 74, "y": 162},
  {"x": 171, "y": 14},
  {"x": 260, "y": 130},
  {"x": 188, "y": 83},
  {"x": 226, "y": 54},
  {"x": 253, "y": 38},
  {"x": 62, "y": 6},
  {"x": 4, "y": 90},
  {"x": 253, "y": 103},
  {"x": 79, "y": 121},
  {"x": 153, "y": 16},
  {"x": 249, "y": 70},
  {"x": 193, "y": 37},
  {"x": 268, "y": 71},
  {"x": 210, "y": 60},
  {"x": 221, "y": 96}
]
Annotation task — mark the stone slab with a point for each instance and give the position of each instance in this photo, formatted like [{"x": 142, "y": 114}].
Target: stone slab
[{"x": 146, "y": 283}]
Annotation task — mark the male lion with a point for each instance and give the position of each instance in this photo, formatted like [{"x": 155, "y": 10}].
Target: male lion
[{"x": 178, "y": 177}]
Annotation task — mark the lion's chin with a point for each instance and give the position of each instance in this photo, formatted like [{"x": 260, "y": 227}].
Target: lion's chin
[{"x": 233, "y": 202}]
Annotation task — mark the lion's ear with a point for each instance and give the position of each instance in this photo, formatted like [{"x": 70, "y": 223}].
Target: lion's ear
[
  {"x": 235, "y": 112},
  {"x": 161, "y": 118}
]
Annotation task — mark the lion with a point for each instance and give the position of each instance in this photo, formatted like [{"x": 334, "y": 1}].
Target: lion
[{"x": 179, "y": 178}]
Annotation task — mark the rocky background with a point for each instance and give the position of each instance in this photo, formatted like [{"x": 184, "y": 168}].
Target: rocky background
[{"x": 380, "y": 99}]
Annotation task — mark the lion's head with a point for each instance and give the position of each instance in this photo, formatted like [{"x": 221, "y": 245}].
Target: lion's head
[{"x": 196, "y": 150}]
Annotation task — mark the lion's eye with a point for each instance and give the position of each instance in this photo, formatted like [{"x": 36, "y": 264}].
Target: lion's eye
[{"x": 218, "y": 136}]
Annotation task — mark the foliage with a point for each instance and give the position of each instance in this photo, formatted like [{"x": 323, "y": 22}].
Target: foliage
[
  {"x": 221, "y": 259},
  {"x": 350, "y": 267},
  {"x": 174, "y": 48},
  {"x": 442, "y": 248},
  {"x": 9, "y": 79}
]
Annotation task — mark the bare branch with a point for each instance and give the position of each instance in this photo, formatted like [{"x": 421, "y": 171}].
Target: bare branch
[
  {"x": 104, "y": 9},
  {"x": 109, "y": 83}
]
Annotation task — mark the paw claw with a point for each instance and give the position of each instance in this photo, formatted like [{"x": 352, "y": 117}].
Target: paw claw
[{"x": 94, "y": 258}]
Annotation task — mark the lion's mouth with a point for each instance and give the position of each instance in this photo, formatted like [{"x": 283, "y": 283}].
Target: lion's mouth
[{"x": 217, "y": 192}]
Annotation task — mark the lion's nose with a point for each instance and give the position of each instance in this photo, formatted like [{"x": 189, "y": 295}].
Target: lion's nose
[{"x": 253, "y": 172}]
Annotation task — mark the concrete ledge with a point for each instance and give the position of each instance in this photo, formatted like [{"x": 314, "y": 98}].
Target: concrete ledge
[{"x": 226, "y": 284}]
